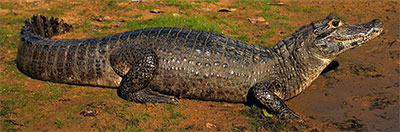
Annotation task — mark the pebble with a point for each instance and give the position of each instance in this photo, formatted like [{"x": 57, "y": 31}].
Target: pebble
[
  {"x": 227, "y": 10},
  {"x": 107, "y": 18},
  {"x": 258, "y": 20},
  {"x": 156, "y": 11},
  {"x": 36, "y": 2}
]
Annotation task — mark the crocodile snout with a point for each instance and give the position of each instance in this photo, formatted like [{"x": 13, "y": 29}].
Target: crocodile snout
[{"x": 376, "y": 24}]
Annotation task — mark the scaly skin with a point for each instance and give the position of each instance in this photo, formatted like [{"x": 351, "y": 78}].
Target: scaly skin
[{"x": 159, "y": 64}]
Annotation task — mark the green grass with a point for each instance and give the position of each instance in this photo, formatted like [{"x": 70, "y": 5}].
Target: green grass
[
  {"x": 195, "y": 22},
  {"x": 262, "y": 123},
  {"x": 59, "y": 123},
  {"x": 173, "y": 112},
  {"x": 142, "y": 6},
  {"x": 181, "y": 4},
  {"x": 245, "y": 38},
  {"x": 6, "y": 5},
  {"x": 133, "y": 122},
  {"x": 52, "y": 92},
  {"x": 170, "y": 118},
  {"x": 12, "y": 89},
  {"x": 53, "y": 10},
  {"x": 359, "y": 15},
  {"x": 392, "y": 2},
  {"x": 16, "y": 101},
  {"x": 138, "y": 15},
  {"x": 282, "y": 23},
  {"x": 296, "y": 8},
  {"x": 258, "y": 4},
  {"x": 7, "y": 125},
  {"x": 5, "y": 110},
  {"x": 86, "y": 26},
  {"x": 9, "y": 31},
  {"x": 211, "y": 1},
  {"x": 261, "y": 39},
  {"x": 3, "y": 37},
  {"x": 272, "y": 15},
  {"x": 113, "y": 5}
]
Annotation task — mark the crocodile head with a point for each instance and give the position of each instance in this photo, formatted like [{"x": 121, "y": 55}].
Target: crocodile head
[{"x": 332, "y": 36}]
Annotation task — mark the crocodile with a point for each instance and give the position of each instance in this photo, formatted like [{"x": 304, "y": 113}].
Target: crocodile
[{"x": 163, "y": 64}]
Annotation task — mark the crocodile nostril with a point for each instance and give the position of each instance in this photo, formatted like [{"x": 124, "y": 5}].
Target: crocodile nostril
[{"x": 376, "y": 23}]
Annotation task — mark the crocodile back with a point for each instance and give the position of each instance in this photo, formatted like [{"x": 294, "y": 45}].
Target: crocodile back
[{"x": 200, "y": 64}]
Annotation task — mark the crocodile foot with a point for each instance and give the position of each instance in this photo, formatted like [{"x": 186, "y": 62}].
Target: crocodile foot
[
  {"x": 263, "y": 93},
  {"x": 147, "y": 95}
]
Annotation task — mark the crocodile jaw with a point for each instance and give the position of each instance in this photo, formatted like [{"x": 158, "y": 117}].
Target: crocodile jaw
[
  {"x": 344, "y": 36},
  {"x": 356, "y": 41}
]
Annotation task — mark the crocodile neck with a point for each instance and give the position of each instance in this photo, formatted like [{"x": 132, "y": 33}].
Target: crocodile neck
[{"x": 294, "y": 65}]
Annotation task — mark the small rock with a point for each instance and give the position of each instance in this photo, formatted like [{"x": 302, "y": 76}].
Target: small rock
[
  {"x": 36, "y": 2},
  {"x": 264, "y": 23},
  {"x": 227, "y": 105},
  {"x": 62, "y": 99},
  {"x": 176, "y": 14},
  {"x": 98, "y": 18},
  {"x": 211, "y": 126},
  {"x": 277, "y": 4},
  {"x": 95, "y": 30},
  {"x": 156, "y": 11},
  {"x": 227, "y": 10},
  {"x": 258, "y": 20},
  {"x": 89, "y": 113},
  {"x": 206, "y": 9},
  {"x": 134, "y": 0},
  {"x": 117, "y": 23},
  {"x": 107, "y": 18}
]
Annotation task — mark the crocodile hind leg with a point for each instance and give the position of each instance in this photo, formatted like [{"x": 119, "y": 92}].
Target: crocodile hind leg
[
  {"x": 263, "y": 93},
  {"x": 136, "y": 64}
]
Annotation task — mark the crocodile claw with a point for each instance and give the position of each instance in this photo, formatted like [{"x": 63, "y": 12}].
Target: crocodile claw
[{"x": 290, "y": 115}]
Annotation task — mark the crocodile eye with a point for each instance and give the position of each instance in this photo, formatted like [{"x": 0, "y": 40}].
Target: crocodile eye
[{"x": 335, "y": 24}]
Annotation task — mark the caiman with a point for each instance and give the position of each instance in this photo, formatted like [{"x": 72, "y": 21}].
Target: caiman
[{"x": 162, "y": 64}]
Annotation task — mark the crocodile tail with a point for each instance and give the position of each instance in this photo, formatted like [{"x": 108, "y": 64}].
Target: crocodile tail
[
  {"x": 44, "y": 26},
  {"x": 36, "y": 49}
]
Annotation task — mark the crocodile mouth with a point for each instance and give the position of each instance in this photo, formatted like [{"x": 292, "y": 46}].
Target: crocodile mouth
[{"x": 359, "y": 39}]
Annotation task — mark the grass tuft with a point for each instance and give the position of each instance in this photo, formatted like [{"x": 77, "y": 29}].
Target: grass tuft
[
  {"x": 6, "y": 5},
  {"x": 133, "y": 122},
  {"x": 296, "y": 8},
  {"x": 59, "y": 123},
  {"x": 195, "y": 22},
  {"x": 181, "y": 4},
  {"x": 262, "y": 123}
]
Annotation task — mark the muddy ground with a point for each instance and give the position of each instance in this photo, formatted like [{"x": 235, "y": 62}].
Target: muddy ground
[{"x": 359, "y": 92}]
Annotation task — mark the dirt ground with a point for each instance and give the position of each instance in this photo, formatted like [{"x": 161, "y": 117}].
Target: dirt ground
[{"x": 359, "y": 92}]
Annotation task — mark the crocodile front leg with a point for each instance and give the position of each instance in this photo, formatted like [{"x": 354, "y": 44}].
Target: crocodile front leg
[
  {"x": 263, "y": 93},
  {"x": 136, "y": 64}
]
